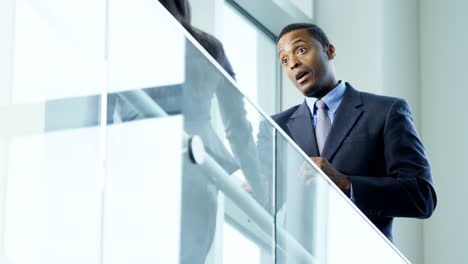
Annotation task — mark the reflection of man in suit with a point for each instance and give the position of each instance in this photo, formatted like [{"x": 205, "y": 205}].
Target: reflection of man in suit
[{"x": 364, "y": 142}]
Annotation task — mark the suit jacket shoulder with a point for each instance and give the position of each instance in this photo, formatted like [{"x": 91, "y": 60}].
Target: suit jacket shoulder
[
  {"x": 378, "y": 101},
  {"x": 282, "y": 117}
]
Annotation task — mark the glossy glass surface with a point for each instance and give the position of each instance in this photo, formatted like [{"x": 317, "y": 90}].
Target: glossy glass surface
[
  {"x": 103, "y": 170},
  {"x": 51, "y": 173},
  {"x": 320, "y": 217}
]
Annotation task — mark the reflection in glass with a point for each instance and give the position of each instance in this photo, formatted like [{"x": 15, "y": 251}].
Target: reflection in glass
[
  {"x": 142, "y": 195},
  {"x": 50, "y": 163},
  {"x": 53, "y": 203},
  {"x": 320, "y": 217},
  {"x": 203, "y": 84},
  {"x": 157, "y": 204},
  {"x": 194, "y": 98}
]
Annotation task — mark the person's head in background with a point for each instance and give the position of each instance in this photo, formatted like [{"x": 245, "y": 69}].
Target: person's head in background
[
  {"x": 306, "y": 55},
  {"x": 180, "y": 9}
]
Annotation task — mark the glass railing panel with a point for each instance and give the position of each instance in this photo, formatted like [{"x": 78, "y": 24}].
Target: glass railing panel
[
  {"x": 192, "y": 171},
  {"x": 144, "y": 59},
  {"x": 52, "y": 182},
  {"x": 249, "y": 189},
  {"x": 62, "y": 54},
  {"x": 51, "y": 170},
  {"x": 300, "y": 210},
  {"x": 224, "y": 202},
  {"x": 145, "y": 146},
  {"x": 143, "y": 191},
  {"x": 142, "y": 52},
  {"x": 320, "y": 217},
  {"x": 52, "y": 200}
]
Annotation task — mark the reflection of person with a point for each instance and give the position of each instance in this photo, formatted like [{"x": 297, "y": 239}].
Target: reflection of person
[
  {"x": 199, "y": 195},
  {"x": 365, "y": 143},
  {"x": 202, "y": 83}
]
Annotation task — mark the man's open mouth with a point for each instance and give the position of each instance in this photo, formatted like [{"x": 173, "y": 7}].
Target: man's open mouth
[{"x": 301, "y": 76}]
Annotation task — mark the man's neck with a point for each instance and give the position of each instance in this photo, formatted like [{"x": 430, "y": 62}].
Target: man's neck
[{"x": 322, "y": 92}]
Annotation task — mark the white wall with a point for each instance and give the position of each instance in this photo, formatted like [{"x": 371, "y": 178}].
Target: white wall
[
  {"x": 444, "y": 65},
  {"x": 355, "y": 28},
  {"x": 400, "y": 52},
  {"x": 401, "y": 78}
]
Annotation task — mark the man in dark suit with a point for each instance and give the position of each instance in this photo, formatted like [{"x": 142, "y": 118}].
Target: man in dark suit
[{"x": 365, "y": 143}]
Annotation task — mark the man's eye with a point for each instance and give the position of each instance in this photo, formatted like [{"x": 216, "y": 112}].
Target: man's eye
[
  {"x": 284, "y": 61},
  {"x": 301, "y": 50}
]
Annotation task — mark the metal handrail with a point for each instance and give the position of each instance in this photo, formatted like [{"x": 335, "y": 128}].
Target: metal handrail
[{"x": 143, "y": 103}]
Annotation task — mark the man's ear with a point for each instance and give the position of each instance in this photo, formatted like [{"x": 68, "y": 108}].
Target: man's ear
[{"x": 331, "y": 52}]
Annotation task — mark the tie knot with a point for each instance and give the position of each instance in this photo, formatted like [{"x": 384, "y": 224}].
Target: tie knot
[{"x": 321, "y": 105}]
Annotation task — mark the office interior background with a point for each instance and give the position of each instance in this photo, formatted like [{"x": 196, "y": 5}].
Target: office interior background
[{"x": 414, "y": 49}]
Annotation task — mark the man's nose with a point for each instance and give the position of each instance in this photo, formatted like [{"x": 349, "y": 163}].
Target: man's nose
[{"x": 294, "y": 62}]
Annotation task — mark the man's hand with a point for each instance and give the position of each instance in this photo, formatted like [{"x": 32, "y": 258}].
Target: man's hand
[
  {"x": 309, "y": 174},
  {"x": 342, "y": 181}
]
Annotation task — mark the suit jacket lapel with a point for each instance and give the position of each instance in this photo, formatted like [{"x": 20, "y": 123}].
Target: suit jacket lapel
[
  {"x": 346, "y": 117},
  {"x": 301, "y": 128}
]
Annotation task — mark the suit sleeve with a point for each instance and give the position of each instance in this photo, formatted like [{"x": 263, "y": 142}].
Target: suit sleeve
[{"x": 406, "y": 190}]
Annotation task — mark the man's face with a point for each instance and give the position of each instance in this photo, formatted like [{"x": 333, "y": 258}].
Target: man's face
[{"x": 306, "y": 61}]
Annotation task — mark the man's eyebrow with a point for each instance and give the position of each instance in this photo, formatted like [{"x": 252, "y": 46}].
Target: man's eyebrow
[{"x": 292, "y": 43}]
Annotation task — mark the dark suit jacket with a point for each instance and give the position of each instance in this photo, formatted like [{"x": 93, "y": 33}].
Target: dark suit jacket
[{"x": 372, "y": 140}]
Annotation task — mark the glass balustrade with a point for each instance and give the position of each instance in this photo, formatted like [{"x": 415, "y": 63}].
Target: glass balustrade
[{"x": 134, "y": 145}]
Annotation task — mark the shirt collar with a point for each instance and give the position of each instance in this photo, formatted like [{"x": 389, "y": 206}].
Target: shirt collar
[{"x": 331, "y": 99}]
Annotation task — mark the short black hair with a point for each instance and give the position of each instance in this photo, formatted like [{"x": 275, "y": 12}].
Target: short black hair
[{"x": 315, "y": 31}]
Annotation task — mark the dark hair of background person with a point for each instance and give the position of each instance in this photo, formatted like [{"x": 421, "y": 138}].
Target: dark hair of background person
[
  {"x": 180, "y": 9},
  {"x": 314, "y": 31}
]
